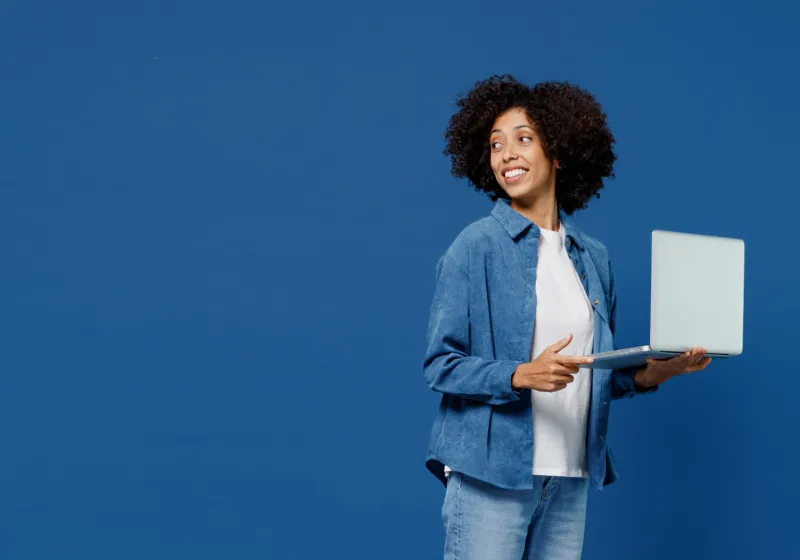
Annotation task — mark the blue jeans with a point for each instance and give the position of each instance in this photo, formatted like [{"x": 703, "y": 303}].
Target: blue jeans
[{"x": 484, "y": 522}]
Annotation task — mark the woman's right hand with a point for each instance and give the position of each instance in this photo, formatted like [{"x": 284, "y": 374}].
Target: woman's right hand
[{"x": 550, "y": 371}]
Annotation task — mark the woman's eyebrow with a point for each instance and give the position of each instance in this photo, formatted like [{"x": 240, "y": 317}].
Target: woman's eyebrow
[{"x": 516, "y": 127}]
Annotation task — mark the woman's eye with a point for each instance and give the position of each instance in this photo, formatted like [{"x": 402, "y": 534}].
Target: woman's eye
[
  {"x": 494, "y": 145},
  {"x": 528, "y": 138}
]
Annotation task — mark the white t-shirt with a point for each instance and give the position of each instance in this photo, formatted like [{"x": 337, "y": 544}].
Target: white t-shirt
[{"x": 562, "y": 307}]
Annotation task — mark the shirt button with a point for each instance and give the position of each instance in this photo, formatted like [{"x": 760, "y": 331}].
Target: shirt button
[
  {"x": 596, "y": 302},
  {"x": 569, "y": 241},
  {"x": 583, "y": 276}
]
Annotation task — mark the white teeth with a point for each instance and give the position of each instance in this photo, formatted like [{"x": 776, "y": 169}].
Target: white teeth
[{"x": 514, "y": 173}]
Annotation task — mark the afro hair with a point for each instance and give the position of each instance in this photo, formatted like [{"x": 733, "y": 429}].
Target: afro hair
[{"x": 569, "y": 121}]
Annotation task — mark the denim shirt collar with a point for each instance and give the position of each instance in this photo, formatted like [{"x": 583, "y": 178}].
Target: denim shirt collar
[{"x": 516, "y": 224}]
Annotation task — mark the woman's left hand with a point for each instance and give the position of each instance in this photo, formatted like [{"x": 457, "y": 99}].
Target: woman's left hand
[{"x": 659, "y": 371}]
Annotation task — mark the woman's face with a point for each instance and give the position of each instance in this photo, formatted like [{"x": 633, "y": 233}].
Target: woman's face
[{"x": 517, "y": 158}]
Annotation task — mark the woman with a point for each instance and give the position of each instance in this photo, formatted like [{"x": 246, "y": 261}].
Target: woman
[{"x": 522, "y": 297}]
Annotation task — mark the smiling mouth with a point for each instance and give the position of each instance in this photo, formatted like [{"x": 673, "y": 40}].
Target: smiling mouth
[{"x": 514, "y": 173}]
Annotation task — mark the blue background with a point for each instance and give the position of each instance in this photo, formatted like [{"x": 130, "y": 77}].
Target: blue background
[{"x": 220, "y": 223}]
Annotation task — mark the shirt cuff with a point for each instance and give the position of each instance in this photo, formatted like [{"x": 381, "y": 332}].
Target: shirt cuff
[{"x": 623, "y": 378}]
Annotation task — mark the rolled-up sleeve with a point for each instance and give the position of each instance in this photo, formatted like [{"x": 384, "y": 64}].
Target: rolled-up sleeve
[
  {"x": 622, "y": 384},
  {"x": 448, "y": 366}
]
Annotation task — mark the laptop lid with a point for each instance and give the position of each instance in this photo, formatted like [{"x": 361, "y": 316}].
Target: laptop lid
[{"x": 697, "y": 293}]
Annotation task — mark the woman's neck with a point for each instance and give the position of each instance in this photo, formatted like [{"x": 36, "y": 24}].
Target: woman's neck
[{"x": 542, "y": 211}]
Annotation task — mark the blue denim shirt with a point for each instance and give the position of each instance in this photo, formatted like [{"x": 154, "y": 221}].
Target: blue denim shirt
[{"x": 481, "y": 329}]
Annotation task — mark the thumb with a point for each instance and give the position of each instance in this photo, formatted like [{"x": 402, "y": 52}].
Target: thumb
[{"x": 561, "y": 344}]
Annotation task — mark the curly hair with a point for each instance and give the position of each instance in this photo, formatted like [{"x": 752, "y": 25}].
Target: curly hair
[{"x": 570, "y": 124}]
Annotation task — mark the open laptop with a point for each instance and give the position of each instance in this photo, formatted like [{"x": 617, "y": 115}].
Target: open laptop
[{"x": 696, "y": 300}]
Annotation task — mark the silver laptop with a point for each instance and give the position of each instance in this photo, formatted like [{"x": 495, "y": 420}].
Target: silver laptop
[{"x": 696, "y": 300}]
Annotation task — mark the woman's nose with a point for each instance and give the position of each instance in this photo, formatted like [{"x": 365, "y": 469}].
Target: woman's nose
[{"x": 509, "y": 153}]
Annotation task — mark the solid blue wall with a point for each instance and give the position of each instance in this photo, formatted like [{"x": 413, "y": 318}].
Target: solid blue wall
[{"x": 220, "y": 223}]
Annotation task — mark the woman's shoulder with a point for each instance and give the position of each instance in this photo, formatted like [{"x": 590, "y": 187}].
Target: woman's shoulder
[{"x": 476, "y": 238}]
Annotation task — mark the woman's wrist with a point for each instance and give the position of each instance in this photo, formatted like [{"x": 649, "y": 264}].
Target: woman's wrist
[{"x": 641, "y": 379}]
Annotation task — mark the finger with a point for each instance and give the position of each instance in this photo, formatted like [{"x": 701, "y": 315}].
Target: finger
[
  {"x": 697, "y": 362},
  {"x": 696, "y": 365},
  {"x": 690, "y": 366},
  {"x": 561, "y": 344},
  {"x": 689, "y": 361},
  {"x": 564, "y": 369},
  {"x": 557, "y": 387},
  {"x": 682, "y": 361},
  {"x": 694, "y": 354},
  {"x": 564, "y": 360},
  {"x": 701, "y": 365},
  {"x": 558, "y": 379},
  {"x": 701, "y": 355}
]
